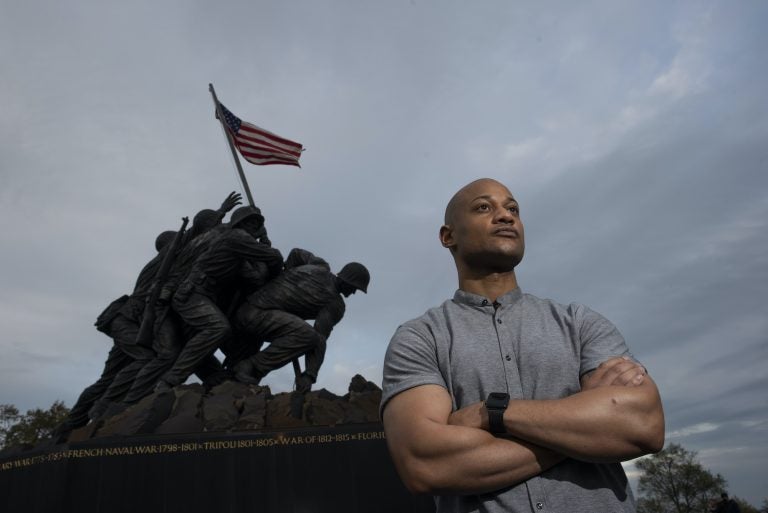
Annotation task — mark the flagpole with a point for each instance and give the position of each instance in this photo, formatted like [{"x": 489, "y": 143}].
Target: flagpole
[{"x": 220, "y": 116}]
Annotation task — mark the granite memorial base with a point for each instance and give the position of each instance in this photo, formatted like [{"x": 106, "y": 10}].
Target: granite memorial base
[{"x": 318, "y": 469}]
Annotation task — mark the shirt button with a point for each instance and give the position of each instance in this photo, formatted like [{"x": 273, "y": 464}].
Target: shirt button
[
  {"x": 539, "y": 505},
  {"x": 498, "y": 320},
  {"x": 509, "y": 358},
  {"x": 485, "y": 302}
]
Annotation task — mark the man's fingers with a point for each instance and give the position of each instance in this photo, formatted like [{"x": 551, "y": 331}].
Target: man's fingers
[
  {"x": 608, "y": 364},
  {"x": 622, "y": 367},
  {"x": 620, "y": 371},
  {"x": 630, "y": 377}
]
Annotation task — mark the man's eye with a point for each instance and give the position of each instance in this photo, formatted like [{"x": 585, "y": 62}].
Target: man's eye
[
  {"x": 514, "y": 209},
  {"x": 482, "y": 207}
]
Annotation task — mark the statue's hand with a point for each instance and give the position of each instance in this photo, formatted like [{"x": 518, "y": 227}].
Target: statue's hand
[
  {"x": 262, "y": 237},
  {"x": 233, "y": 200},
  {"x": 304, "y": 383},
  {"x": 260, "y": 233}
]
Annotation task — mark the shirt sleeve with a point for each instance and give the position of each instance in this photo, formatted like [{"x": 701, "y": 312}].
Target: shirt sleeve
[
  {"x": 600, "y": 339},
  {"x": 411, "y": 361}
]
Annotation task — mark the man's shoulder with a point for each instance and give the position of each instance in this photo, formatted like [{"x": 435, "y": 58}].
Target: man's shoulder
[
  {"x": 440, "y": 315},
  {"x": 556, "y": 308},
  {"x": 528, "y": 298},
  {"x": 433, "y": 317}
]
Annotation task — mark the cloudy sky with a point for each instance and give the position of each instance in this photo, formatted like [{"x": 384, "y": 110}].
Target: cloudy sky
[{"x": 635, "y": 136}]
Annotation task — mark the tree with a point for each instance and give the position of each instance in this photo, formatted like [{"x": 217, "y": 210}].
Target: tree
[
  {"x": 29, "y": 429},
  {"x": 745, "y": 507},
  {"x": 673, "y": 481},
  {"x": 9, "y": 415}
]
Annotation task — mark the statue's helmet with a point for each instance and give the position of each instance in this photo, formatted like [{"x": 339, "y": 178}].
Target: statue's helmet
[
  {"x": 164, "y": 239},
  {"x": 243, "y": 213},
  {"x": 206, "y": 219},
  {"x": 356, "y": 275}
]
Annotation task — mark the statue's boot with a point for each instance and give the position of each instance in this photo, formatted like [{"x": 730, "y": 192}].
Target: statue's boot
[
  {"x": 163, "y": 387},
  {"x": 217, "y": 379},
  {"x": 246, "y": 373}
]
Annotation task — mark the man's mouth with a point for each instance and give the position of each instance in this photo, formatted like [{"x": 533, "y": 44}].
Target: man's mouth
[{"x": 507, "y": 232}]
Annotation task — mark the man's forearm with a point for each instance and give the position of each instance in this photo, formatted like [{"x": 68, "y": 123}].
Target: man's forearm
[
  {"x": 603, "y": 424},
  {"x": 434, "y": 457},
  {"x": 462, "y": 460}
]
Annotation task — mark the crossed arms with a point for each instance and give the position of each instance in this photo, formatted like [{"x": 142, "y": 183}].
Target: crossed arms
[{"x": 616, "y": 416}]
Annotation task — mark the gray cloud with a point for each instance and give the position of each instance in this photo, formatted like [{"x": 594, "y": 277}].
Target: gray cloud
[{"x": 633, "y": 136}]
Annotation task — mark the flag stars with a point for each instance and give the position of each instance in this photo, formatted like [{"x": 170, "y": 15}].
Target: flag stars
[{"x": 259, "y": 146}]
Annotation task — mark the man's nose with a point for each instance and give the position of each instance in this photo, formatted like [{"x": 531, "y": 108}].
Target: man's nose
[{"x": 503, "y": 215}]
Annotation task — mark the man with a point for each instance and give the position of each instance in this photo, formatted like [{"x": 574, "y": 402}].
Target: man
[
  {"x": 276, "y": 313},
  {"x": 501, "y": 401}
]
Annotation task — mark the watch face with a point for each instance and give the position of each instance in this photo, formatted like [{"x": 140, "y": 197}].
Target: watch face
[{"x": 497, "y": 400}]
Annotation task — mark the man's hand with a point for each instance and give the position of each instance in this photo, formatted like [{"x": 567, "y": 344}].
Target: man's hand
[
  {"x": 474, "y": 416},
  {"x": 619, "y": 371},
  {"x": 233, "y": 200}
]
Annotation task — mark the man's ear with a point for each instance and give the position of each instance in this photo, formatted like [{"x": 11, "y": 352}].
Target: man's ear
[{"x": 446, "y": 236}]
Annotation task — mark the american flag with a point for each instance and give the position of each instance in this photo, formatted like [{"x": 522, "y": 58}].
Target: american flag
[{"x": 259, "y": 146}]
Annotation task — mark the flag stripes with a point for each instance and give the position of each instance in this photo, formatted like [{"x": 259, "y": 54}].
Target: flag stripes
[{"x": 259, "y": 146}]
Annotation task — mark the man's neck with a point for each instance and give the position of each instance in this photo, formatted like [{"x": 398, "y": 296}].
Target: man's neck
[{"x": 490, "y": 285}]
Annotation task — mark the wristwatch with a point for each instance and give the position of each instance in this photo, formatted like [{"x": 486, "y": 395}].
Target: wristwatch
[{"x": 496, "y": 404}]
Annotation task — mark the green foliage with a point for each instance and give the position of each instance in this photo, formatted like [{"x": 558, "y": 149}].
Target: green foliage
[
  {"x": 673, "y": 481},
  {"x": 744, "y": 506},
  {"x": 28, "y": 429},
  {"x": 9, "y": 415}
]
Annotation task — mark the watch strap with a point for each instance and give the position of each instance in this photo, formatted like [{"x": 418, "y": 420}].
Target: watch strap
[
  {"x": 496, "y": 404},
  {"x": 496, "y": 421}
]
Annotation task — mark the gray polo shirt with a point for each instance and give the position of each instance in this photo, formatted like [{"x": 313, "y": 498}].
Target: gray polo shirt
[{"x": 531, "y": 348}]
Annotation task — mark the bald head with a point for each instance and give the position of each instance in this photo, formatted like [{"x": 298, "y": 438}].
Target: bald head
[
  {"x": 465, "y": 194},
  {"x": 483, "y": 229}
]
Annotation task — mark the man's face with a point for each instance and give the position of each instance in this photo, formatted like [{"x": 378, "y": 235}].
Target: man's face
[{"x": 483, "y": 229}]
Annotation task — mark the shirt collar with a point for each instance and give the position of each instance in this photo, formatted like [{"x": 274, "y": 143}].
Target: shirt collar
[{"x": 467, "y": 298}]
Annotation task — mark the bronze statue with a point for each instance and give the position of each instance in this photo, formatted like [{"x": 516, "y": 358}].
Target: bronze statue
[
  {"x": 121, "y": 322},
  {"x": 234, "y": 256},
  {"x": 185, "y": 297},
  {"x": 276, "y": 313}
]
